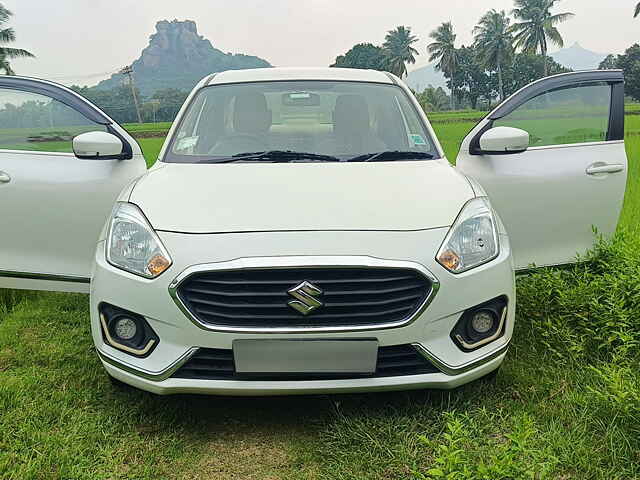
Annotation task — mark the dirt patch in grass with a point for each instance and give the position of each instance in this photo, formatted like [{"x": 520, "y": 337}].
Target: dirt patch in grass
[{"x": 245, "y": 454}]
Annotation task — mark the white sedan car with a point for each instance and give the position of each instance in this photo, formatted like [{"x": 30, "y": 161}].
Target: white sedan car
[{"x": 302, "y": 230}]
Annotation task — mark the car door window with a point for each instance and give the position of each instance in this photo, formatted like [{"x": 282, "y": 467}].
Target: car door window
[
  {"x": 34, "y": 122},
  {"x": 577, "y": 114}
]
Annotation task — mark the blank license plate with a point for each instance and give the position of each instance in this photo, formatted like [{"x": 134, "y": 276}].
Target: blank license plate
[{"x": 305, "y": 356}]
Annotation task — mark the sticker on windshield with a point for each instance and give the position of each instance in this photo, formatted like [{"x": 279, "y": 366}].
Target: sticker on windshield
[
  {"x": 417, "y": 139},
  {"x": 186, "y": 144}
]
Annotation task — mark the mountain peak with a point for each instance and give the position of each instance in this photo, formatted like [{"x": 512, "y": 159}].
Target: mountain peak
[
  {"x": 177, "y": 56},
  {"x": 576, "y": 57}
]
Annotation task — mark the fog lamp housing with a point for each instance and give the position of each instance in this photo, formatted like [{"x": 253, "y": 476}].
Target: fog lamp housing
[
  {"x": 127, "y": 331},
  {"x": 480, "y": 325}
]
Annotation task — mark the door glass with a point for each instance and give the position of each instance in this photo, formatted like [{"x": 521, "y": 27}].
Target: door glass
[
  {"x": 577, "y": 114},
  {"x": 29, "y": 121}
]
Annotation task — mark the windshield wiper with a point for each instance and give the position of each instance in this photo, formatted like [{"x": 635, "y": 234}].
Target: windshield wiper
[
  {"x": 277, "y": 156},
  {"x": 392, "y": 155}
]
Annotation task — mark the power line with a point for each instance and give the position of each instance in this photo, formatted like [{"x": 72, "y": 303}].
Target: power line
[{"x": 91, "y": 75}]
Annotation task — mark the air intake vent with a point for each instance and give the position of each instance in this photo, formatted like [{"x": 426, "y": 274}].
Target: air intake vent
[{"x": 216, "y": 364}]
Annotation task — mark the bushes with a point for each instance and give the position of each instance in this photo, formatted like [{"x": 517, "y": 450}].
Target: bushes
[
  {"x": 461, "y": 451},
  {"x": 588, "y": 312}
]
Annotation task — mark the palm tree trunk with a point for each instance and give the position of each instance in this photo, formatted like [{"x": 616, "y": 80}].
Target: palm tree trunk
[
  {"x": 544, "y": 57},
  {"x": 500, "y": 84},
  {"x": 453, "y": 93}
]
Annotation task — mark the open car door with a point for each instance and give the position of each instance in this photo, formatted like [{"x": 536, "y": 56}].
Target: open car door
[
  {"x": 54, "y": 202},
  {"x": 552, "y": 160}
]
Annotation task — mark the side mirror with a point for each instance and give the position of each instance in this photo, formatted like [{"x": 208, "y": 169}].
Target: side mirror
[
  {"x": 97, "y": 146},
  {"x": 503, "y": 141}
]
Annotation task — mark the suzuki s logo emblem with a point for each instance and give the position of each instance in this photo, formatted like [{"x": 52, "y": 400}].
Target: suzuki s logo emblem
[{"x": 306, "y": 298}]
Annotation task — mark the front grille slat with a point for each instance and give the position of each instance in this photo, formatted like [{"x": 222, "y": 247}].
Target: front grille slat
[
  {"x": 286, "y": 282},
  {"x": 373, "y": 292},
  {"x": 218, "y": 364},
  {"x": 284, "y": 317},
  {"x": 258, "y": 298}
]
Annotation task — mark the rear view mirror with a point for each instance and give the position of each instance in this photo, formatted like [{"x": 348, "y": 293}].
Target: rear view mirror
[
  {"x": 301, "y": 99},
  {"x": 503, "y": 141},
  {"x": 97, "y": 146}
]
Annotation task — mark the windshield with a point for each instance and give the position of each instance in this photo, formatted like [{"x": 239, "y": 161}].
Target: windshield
[{"x": 300, "y": 121}]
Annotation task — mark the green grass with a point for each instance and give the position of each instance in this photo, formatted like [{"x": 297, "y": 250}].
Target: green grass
[
  {"x": 147, "y": 127},
  {"x": 151, "y": 148},
  {"x": 566, "y": 404}
]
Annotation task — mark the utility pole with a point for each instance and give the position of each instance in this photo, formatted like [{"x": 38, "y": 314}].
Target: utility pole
[
  {"x": 128, "y": 70},
  {"x": 155, "y": 104}
]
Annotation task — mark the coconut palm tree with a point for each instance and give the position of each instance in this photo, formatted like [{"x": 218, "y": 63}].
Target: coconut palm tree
[
  {"x": 399, "y": 50},
  {"x": 637, "y": 12},
  {"x": 538, "y": 26},
  {"x": 7, "y": 35},
  {"x": 494, "y": 43},
  {"x": 443, "y": 50}
]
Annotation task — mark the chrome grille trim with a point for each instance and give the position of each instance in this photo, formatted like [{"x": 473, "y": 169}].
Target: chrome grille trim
[{"x": 303, "y": 262}]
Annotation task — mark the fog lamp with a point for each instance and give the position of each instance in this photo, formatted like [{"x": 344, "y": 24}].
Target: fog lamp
[
  {"x": 480, "y": 325},
  {"x": 483, "y": 321},
  {"x": 127, "y": 331},
  {"x": 125, "y": 328}
]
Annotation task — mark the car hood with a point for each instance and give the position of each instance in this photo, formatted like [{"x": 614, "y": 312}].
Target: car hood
[{"x": 245, "y": 197}]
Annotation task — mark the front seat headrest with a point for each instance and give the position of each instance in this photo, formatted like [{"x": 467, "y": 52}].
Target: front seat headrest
[
  {"x": 251, "y": 114},
  {"x": 351, "y": 116}
]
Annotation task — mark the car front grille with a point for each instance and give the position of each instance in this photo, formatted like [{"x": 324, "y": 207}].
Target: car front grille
[
  {"x": 259, "y": 298},
  {"x": 218, "y": 364}
]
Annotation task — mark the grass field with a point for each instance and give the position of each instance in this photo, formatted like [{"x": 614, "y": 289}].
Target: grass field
[{"x": 566, "y": 404}]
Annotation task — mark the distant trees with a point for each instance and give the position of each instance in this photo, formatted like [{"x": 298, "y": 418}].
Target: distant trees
[
  {"x": 473, "y": 80},
  {"x": 526, "y": 68},
  {"x": 433, "y": 99},
  {"x": 363, "y": 56},
  {"x": 7, "y": 35},
  {"x": 393, "y": 56},
  {"x": 610, "y": 62},
  {"x": 629, "y": 62},
  {"x": 494, "y": 43},
  {"x": 169, "y": 101},
  {"x": 505, "y": 55},
  {"x": 399, "y": 50},
  {"x": 443, "y": 51},
  {"x": 537, "y": 26},
  {"x": 118, "y": 103}
]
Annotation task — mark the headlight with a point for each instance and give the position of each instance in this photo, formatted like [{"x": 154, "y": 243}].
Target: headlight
[
  {"x": 132, "y": 245},
  {"x": 472, "y": 240}
]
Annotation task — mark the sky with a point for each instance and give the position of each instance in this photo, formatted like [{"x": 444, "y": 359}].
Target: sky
[{"x": 83, "y": 41}]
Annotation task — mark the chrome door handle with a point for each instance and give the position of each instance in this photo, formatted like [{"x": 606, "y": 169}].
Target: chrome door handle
[
  {"x": 4, "y": 177},
  {"x": 599, "y": 168}
]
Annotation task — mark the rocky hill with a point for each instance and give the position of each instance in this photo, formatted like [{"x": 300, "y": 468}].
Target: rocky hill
[{"x": 177, "y": 57}]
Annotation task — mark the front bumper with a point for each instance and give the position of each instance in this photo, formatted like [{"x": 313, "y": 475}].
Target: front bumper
[
  {"x": 180, "y": 336},
  {"x": 262, "y": 388}
]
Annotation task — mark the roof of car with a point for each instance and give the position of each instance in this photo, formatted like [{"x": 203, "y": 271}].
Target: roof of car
[{"x": 281, "y": 73}]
